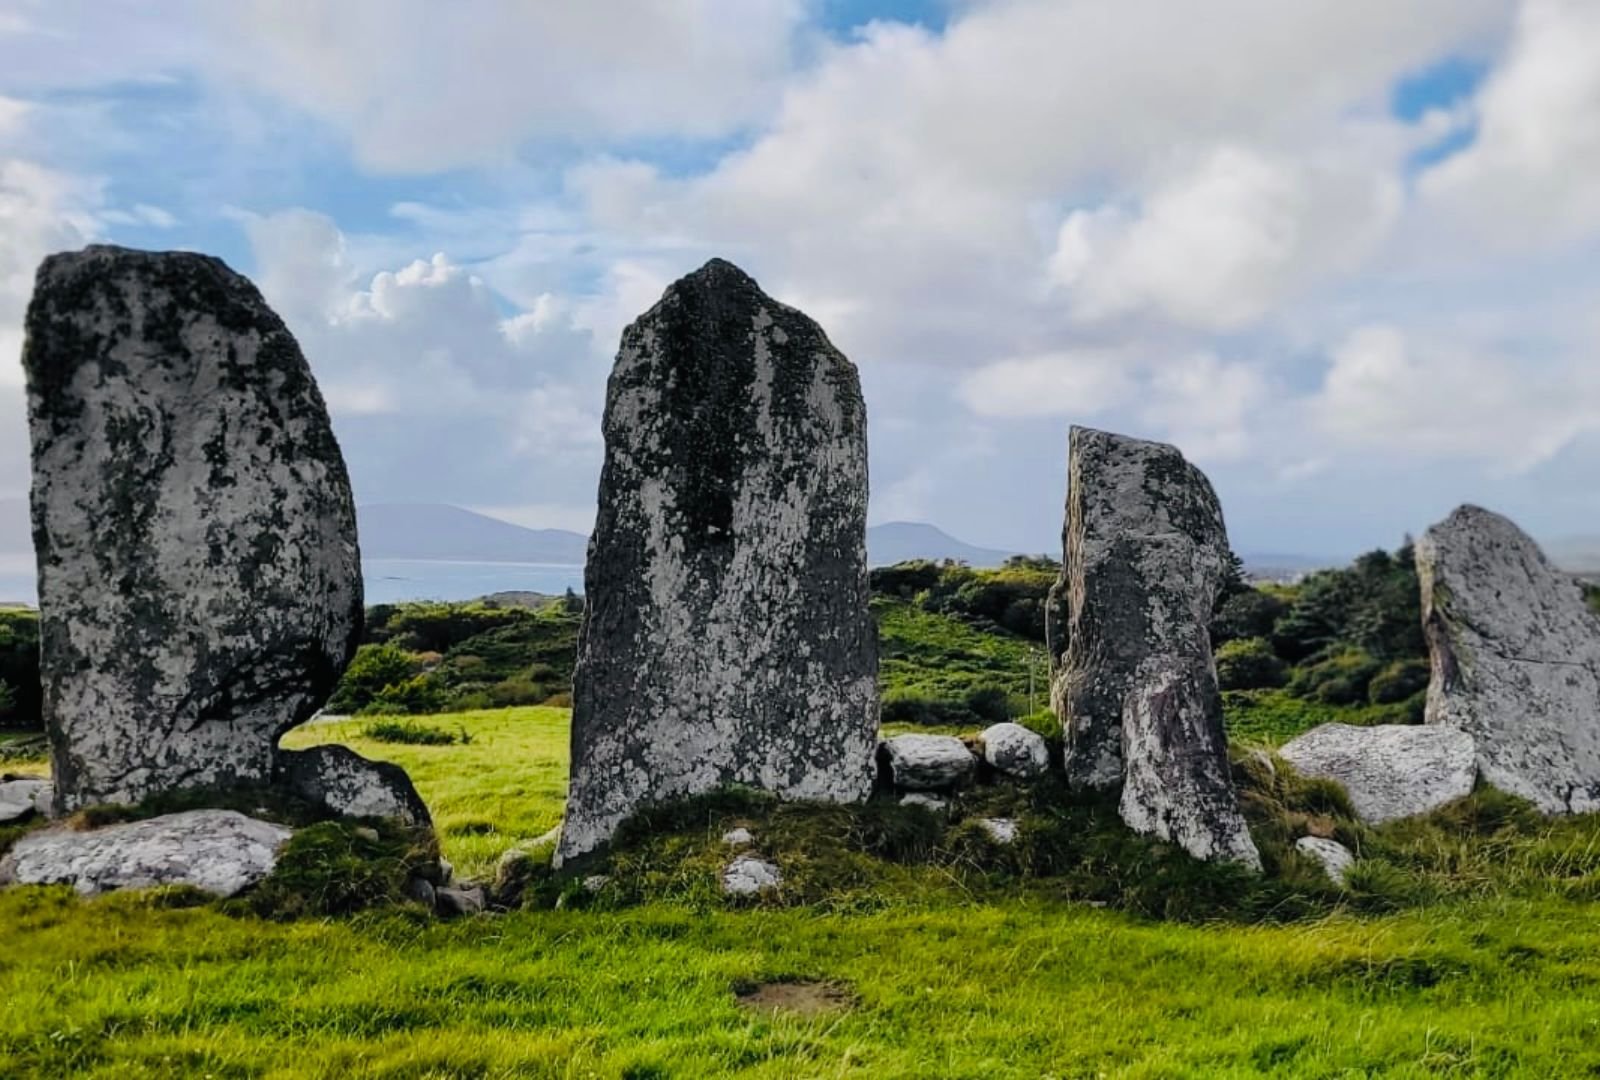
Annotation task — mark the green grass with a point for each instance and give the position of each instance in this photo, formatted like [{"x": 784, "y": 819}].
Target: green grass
[
  {"x": 1273, "y": 717},
  {"x": 503, "y": 789},
  {"x": 939, "y": 656},
  {"x": 959, "y": 964}
]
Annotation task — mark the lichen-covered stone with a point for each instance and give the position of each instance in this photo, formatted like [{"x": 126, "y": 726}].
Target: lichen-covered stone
[
  {"x": 219, "y": 851},
  {"x": 726, "y": 637},
  {"x": 1015, "y": 750},
  {"x": 750, "y": 875},
  {"x": 199, "y": 582},
  {"x": 24, "y": 798},
  {"x": 926, "y": 762},
  {"x": 1516, "y": 659},
  {"x": 1145, "y": 556},
  {"x": 1335, "y": 858},
  {"x": 1390, "y": 771},
  {"x": 350, "y": 785}
]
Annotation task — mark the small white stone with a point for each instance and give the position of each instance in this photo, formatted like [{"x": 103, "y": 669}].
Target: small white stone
[
  {"x": 931, "y": 803},
  {"x": 1336, "y": 859},
  {"x": 1000, "y": 830},
  {"x": 748, "y": 875},
  {"x": 738, "y": 837},
  {"x": 928, "y": 762},
  {"x": 596, "y": 882},
  {"x": 20, "y": 798}
]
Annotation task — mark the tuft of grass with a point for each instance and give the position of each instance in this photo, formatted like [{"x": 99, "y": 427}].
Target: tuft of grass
[
  {"x": 413, "y": 733},
  {"x": 341, "y": 867}
]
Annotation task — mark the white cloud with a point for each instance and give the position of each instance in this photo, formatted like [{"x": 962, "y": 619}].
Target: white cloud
[
  {"x": 1389, "y": 391},
  {"x": 1081, "y": 382},
  {"x": 1222, "y": 243},
  {"x": 1530, "y": 175}
]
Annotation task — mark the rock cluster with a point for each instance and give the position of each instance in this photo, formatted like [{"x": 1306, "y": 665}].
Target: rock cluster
[
  {"x": 726, "y": 637},
  {"x": 199, "y": 579},
  {"x": 1515, "y": 655},
  {"x": 1145, "y": 551}
]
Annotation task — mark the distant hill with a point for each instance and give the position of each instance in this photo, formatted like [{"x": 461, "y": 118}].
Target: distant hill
[
  {"x": 439, "y": 531},
  {"x": 898, "y": 541}
]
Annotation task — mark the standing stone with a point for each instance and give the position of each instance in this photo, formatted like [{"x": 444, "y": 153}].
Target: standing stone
[
  {"x": 199, "y": 582},
  {"x": 1516, "y": 659},
  {"x": 1144, "y": 560},
  {"x": 726, "y": 638}
]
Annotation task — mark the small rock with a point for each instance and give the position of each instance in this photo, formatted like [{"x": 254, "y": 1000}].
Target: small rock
[
  {"x": 1390, "y": 771},
  {"x": 217, "y": 851},
  {"x": 24, "y": 798},
  {"x": 595, "y": 882},
  {"x": 738, "y": 837},
  {"x": 551, "y": 836},
  {"x": 1335, "y": 858},
  {"x": 748, "y": 875},
  {"x": 1001, "y": 830},
  {"x": 350, "y": 785},
  {"x": 422, "y": 891},
  {"x": 927, "y": 762},
  {"x": 459, "y": 901},
  {"x": 931, "y": 803},
  {"x": 368, "y": 834},
  {"x": 447, "y": 871},
  {"x": 1015, "y": 750}
]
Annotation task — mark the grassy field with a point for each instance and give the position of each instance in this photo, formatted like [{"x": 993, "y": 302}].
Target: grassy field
[{"x": 930, "y": 979}]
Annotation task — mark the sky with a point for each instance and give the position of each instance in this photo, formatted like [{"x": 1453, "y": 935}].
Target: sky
[{"x": 1346, "y": 255}]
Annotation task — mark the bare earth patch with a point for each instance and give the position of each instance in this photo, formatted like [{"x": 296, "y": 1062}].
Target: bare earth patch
[{"x": 798, "y": 997}]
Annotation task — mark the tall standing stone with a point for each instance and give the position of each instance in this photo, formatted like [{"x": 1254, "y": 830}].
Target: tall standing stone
[
  {"x": 1145, "y": 557},
  {"x": 1516, "y": 659},
  {"x": 199, "y": 580},
  {"x": 726, "y": 638}
]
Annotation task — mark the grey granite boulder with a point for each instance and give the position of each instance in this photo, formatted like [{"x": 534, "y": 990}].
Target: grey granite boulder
[
  {"x": 23, "y": 798},
  {"x": 1336, "y": 859},
  {"x": 926, "y": 762},
  {"x": 219, "y": 851},
  {"x": 199, "y": 582},
  {"x": 1390, "y": 771},
  {"x": 351, "y": 785},
  {"x": 1015, "y": 750},
  {"x": 726, "y": 637},
  {"x": 1145, "y": 553},
  {"x": 1516, "y": 659}
]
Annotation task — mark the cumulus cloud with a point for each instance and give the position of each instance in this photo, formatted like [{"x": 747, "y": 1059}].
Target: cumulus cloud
[
  {"x": 1529, "y": 176},
  {"x": 1389, "y": 391},
  {"x": 1224, "y": 242}
]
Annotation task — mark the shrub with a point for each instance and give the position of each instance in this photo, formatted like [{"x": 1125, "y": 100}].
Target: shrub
[
  {"x": 1399, "y": 681},
  {"x": 419, "y": 694},
  {"x": 339, "y": 867},
  {"x": 411, "y": 733},
  {"x": 1249, "y": 664},
  {"x": 1341, "y": 679},
  {"x": 1248, "y": 613},
  {"x": 989, "y": 704},
  {"x": 374, "y": 669},
  {"x": 19, "y": 669}
]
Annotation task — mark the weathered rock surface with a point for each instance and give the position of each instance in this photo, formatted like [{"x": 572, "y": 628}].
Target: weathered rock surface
[
  {"x": 1002, "y": 831},
  {"x": 1015, "y": 750},
  {"x": 1336, "y": 859},
  {"x": 931, "y": 803},
  {"x": 24, "y": 798},
  {"x": 1145, "y": 553},
  {"x": 726, "y": 638},
  {"x": 1516, "y": 659},
  {"x": 739, "y": 837},
  {"x": 220, "y": 851},
  {"x": 1390, "y": 771},
  {"x": 749, "y": 875},
  {"x": 927, "y": 762},
  {"x": 450, "y": 900},
  {"x": 351, "y": 785},
  {"x": 199, "y": 583}
]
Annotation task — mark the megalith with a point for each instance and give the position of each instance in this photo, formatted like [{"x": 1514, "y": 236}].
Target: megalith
[
  {"x": 199, "y": 579},
  {"x": 726, "y": 637},
  {"x": 1144, "y": 560},
  {"x": 1515, "y": 653}
]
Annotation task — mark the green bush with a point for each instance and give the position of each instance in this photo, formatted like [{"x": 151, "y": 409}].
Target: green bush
[
  {"x": 418, "y": 695},
  {"x": 1399, "y": 681},
  {"x": 1247, "y": 613},
  {"x": 19, "y": 669},
  {"x": 1341, "y": 679},
  {"x": 374, "y": 669},
  {"x": 411, "y": 733},
  {"x": 1249, "y": 664}
]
